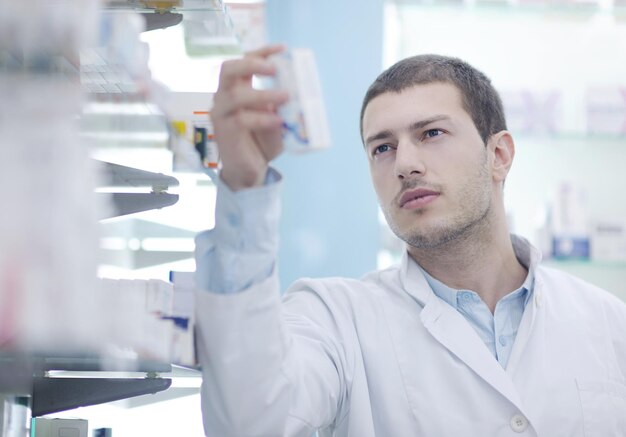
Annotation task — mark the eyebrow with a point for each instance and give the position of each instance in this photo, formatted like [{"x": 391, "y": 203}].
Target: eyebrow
[{"x": 413, "y": 126}]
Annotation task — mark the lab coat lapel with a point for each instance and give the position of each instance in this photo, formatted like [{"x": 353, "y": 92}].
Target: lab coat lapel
[
  {"x": 530, "y": 257},
  {"x": 525, "y": 328},
  {"x": 450, "y": 329},
  {"x": 453, "y": 332}
]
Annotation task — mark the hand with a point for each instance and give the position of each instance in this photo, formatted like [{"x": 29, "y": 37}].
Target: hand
[{"x": 248, "y": 131}]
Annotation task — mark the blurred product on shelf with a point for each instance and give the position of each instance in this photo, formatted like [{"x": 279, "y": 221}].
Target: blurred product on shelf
[
  {"x": 57, "y": 58},
  {"x": 103, "y": 432},
  {"x": 532, "y": 112},
  {"x": 191, "y": 140},
  {"x": 606, "y": 111},
  {"x": 185, "y": 157},
  {"x": 566, "y": 229},
  {"x": 48, "y": 228},
  {"x": 210, "y": 33},
  {"x": 48, "y": 427},
  {"x": 608, "y": 241},
  {"x": 569, "y": 223},
  {"x": 152, "y": 319}
]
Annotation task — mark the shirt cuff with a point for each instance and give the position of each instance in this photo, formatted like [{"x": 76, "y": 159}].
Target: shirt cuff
[
  {"x": 248, "y": 219},
  {"x": 241, "y": 249}
]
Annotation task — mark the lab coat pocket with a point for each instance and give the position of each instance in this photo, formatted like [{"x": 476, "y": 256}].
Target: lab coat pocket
[{"x": 604, "y": 408}]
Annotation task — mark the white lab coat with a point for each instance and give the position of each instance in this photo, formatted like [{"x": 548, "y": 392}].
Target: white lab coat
[{"x": 384, "y": 356}]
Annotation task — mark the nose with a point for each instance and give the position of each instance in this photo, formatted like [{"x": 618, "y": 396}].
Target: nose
[{"x": 409, "y": 161}]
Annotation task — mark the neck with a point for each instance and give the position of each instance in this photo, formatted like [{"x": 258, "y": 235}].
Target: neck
[{"x": 482, "y": 260}]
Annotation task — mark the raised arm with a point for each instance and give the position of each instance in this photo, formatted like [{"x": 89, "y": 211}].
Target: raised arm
[
  {"x": 242, "y": 247},
  {"x": 269, "y": 368}
]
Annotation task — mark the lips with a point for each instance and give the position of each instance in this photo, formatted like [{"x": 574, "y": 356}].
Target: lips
[{"x": 418, "y": 197}]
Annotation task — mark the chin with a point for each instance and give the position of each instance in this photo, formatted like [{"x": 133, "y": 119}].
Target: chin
[
  {"x": 421, "y": 241},
  {"x": 426, "y": 237}
]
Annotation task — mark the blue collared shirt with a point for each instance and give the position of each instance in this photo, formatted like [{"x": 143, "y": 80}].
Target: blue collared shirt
[
  {"x": 497, "y": 330},
  {"x": 240, "y": 250}
]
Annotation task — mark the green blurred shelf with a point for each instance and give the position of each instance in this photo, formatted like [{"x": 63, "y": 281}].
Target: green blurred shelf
[
  {"x": 609, "y": 275},
  {"x": 160, "y": 6},
  {"x": 585, "y": 263}
]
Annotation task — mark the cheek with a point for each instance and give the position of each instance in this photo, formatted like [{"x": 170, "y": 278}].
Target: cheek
[{"x": 467, "y": 168}]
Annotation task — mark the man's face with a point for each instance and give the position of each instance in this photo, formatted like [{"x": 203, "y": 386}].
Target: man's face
[{"x": 430, "y": 168}]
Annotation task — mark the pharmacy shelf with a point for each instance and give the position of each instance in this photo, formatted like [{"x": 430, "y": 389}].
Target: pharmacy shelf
[
  {"x": 161, "y": 6},
  {"x": 124, "y": 203},
  {"x": 547, "y": 8},
  {"x": 28, "y": 375},
  {"x": 96, "y": 364},
  {"x": 130, "y": 203},
  {"x": 53, "y": 395},
  {"x": 161, "y": 21},
  {"x": 185, "y": 381},
  {"x": 121, "y": 176},
  {"x": 586, "y": 263}
]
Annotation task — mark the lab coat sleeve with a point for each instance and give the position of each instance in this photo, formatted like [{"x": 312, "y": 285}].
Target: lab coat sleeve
[
  {"x": 268, "y": 370},
  {"x": 615, "y": 311}
]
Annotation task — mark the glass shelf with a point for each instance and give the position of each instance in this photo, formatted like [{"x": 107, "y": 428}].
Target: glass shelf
[
  {"x": 585, "y": 263},
  {"x": 562, "y": 9},
  {"x": 609, "y": 275},
  {"x": 165, "y": 5},
  {"x": 577, "y": 137},
  {"x": 53, "y": 395}
]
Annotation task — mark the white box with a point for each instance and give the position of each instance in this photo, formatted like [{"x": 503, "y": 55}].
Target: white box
[
  {"x": 608, "y": 241},
  {"x": 44, "y": 427},
  {"x": 305, "y": 126}
]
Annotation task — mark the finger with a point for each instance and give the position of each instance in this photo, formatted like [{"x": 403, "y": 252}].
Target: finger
[
  {"x": 233, "y": 71},
  {"x": 266, "y": 51},
  {"x": 249, "y": 120},
  {"x": 271, "y": 142},
  {"x": 248, "y": 98}
]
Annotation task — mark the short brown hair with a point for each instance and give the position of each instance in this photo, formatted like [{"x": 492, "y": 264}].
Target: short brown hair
[{"x": 480, "y": 99}]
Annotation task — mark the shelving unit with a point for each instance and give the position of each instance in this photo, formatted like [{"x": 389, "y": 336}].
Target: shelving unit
[
  {"x": 51, "y": 381},
  {"x": 54, "y": 394},
  {"x": 25, "y": 383}
]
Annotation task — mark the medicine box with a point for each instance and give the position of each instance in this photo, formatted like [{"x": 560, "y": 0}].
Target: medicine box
[{"x": 305, "y": 125}]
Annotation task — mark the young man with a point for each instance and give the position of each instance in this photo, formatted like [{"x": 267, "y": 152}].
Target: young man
[{"x": 468, "y": 336}]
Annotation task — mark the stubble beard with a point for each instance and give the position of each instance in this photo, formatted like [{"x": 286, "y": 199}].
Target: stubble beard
[
  {"x": 443, "y": 234},
  {"x": 472, "y": 218}
]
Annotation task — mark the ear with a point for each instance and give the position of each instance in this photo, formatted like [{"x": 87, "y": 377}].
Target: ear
[{"x": 502, "y": 148}]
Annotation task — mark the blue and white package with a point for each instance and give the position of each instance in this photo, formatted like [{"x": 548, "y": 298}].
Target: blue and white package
[{"x": 305, "y": 126}]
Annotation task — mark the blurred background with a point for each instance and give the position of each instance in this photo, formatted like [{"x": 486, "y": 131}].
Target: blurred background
[{"x": 560, "y": 66}]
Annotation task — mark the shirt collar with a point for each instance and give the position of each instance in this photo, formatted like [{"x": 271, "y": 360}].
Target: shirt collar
[{"x": 528, "y": 255}]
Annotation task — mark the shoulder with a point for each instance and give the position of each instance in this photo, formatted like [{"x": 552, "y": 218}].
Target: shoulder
[
  {"x": 346, "y": 292},
  {"x": 577, "y": 294},
  {"x": 561, "y": 282}
]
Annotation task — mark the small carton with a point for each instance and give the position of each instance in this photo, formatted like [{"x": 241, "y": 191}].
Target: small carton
[{"x": 305, "y": 126}]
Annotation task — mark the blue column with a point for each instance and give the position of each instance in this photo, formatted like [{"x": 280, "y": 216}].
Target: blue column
[{"x": 329, "y": 223}]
